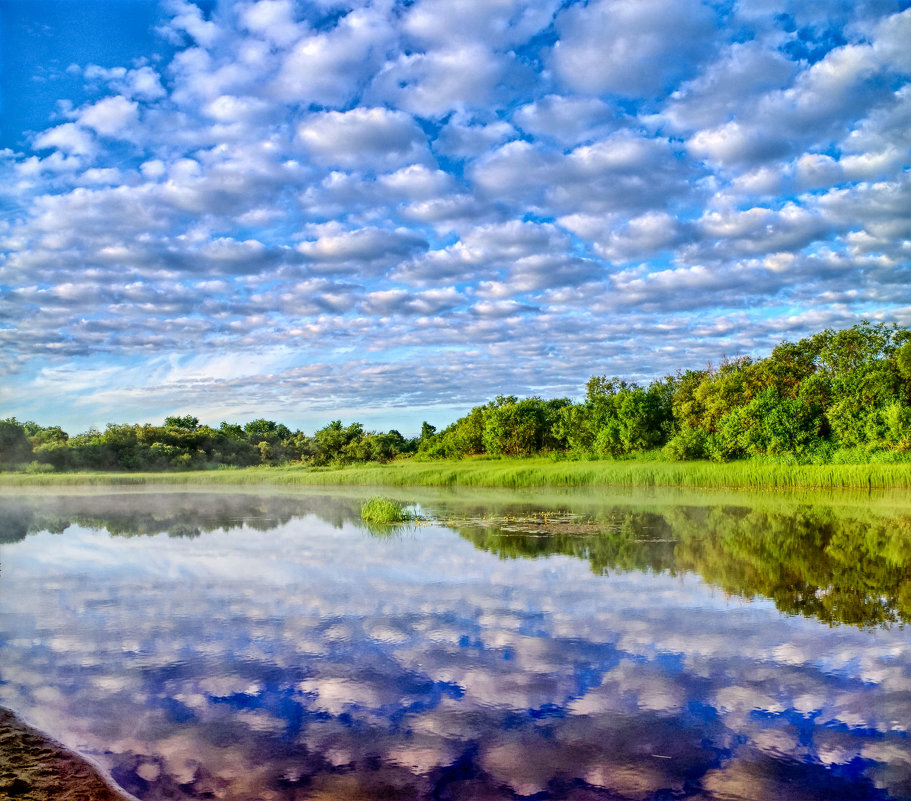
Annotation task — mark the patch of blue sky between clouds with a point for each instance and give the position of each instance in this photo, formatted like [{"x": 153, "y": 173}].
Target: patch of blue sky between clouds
[{"x": 391, "y": 211}]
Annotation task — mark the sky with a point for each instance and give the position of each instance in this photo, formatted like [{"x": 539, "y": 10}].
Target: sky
[{"x": 391, "y": 212}]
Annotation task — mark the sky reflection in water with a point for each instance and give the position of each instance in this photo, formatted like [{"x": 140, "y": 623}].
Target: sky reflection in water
[{"x": 272, "y": 648}]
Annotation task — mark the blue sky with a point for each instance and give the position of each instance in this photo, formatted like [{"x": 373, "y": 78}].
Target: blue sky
[{"x": 391, "y": 212}]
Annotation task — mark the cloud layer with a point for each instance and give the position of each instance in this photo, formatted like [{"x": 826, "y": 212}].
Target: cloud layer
[{"x": 406, "y": 209}]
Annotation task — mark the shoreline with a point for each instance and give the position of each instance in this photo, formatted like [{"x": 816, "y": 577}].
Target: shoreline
[
  {"x": 510, "y": 474},
  {"x": 35, "y": 767}
]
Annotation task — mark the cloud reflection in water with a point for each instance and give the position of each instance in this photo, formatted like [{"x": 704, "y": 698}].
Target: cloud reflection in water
[{"x": 311, "y": 660}]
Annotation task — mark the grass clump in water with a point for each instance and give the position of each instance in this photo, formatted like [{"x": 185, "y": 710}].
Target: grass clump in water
[{"x": 384, "y": 510}]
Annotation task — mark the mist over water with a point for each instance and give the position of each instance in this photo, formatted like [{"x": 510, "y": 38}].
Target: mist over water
[{"x": 239, "y": 646}]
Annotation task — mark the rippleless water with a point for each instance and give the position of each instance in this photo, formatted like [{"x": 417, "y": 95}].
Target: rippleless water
[{"x": 271, "y": 647}]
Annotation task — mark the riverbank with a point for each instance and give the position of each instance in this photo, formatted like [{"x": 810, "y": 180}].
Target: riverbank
[
  {"x": 34, "y": 767},
  {"x": 512, "y": 474}
]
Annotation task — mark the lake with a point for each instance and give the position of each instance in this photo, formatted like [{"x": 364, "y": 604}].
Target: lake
[{"x": 538, "y": 645}]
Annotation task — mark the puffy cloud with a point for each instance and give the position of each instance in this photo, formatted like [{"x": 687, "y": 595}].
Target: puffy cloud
[
  {"x": 375, "y": 138},
  {"x": 364, "y": 249},
  {"x": 729, "y": 85},
  {"x": 142, "y": 83},
  {"x": 69, "y": 138},
  {"x": 641, "y": 237},
  {"x": 568, "y": 120},
  {"x": 417, "y": 182},
  {"x": 404, "y": 302},
  {"x": 845, "y": 85},
  {"x": 463, "y": 137},
  {"x": 499, "y": 22},
  {"x": 631, "y": 47},
  {"x": 438, "y": 83},
  {"x": 228, "y": 108},
  {"x": 623, "y": 170},
  {"x": 187, "y": 18},
  {"x": 272, "y": 19},
  {"x": 890, "y": 41},
  {"x": 420, "y": 181},
  {"x": 110, "y": 117},
  {"x": 331, "y": 67}
]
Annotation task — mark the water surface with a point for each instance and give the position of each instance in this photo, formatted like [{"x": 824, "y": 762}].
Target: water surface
[{"x": 271, "y": 647}]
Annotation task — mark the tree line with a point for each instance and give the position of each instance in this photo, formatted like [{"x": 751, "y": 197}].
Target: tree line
[
  {"x": 182, "y": 443},
  {"x": 835, "y": 395}
]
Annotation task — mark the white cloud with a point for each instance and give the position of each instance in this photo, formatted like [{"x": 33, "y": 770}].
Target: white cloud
[
  {"x": 641, "y": 237},
  {"x": 272, "y": 19},
  {"x": 375, "y": 138},
  {"x": 188, "y": 19},
  {"x": 113, "y": 116},
  {"x": 463, "y": 137},
  {"x": 408, "y": 180},
  {"x": 623, "y": 170},
  {"x": 631, "y": 47},
  {"x": 330, "y": 68},
  {"x": 569, "y": 120},
  {"x": 144, "y": 84},
  {"x": 891, "y": 42},
  {"x": 727, "y": 87},
  {"x": 417, "y": 182},
  {"x": 445, "y": 80},
  {"x": 500, "y": 22},
  {"x": 228, "y": 108},
  {"x": 68, "y": 138},
  {"x": 367, "y": 248}
]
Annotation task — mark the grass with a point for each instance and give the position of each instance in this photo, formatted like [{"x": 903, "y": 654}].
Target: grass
[
  {"x": 513, "y": 474},
  {"x": 379, "y": 509}
]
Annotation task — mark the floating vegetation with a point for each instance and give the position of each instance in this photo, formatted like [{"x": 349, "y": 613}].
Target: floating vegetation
[{"x": 380, "y": 509}]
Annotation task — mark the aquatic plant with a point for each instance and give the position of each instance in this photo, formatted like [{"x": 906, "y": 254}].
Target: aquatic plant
[{"x": 379, "y": 509}]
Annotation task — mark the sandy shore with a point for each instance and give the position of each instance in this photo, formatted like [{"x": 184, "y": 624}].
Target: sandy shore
[{"x": 35, "y": 768}]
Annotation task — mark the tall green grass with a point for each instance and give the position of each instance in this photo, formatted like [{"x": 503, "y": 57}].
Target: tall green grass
[
  {"x": 379, "y": 509},
  {"x": 513, "y": 474}
]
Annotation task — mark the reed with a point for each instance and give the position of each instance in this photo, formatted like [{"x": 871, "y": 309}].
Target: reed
[
  {"x": 512, "y": 474},
  {"x": 379, "y": 509}
]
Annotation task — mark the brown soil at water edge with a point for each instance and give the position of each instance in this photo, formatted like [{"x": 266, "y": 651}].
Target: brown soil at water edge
[{"x": 35, "y": 768}]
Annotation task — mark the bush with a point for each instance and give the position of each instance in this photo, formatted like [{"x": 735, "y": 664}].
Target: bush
[
  {"x": 687, "y": 443},
  {"x": 39, "y": 467}
]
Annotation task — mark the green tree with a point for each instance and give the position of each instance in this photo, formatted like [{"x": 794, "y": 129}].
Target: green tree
[
  {"x": 15, "y": 447},
  {"x": 635, "y": 419},
  {"x": 520, "y": 427},
  {"x": 186, "y": 423}
]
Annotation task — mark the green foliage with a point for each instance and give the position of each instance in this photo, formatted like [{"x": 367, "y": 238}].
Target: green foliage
[
  {"x": 187, "y": 422},
  {"x": 896, "y": 418},
  {"x": 36, "y": 467},
  {"x": 688, "y": 443},
  {"x": 520, "y": 427},
  {"x": 903, "y": 360},
  {"x": 384, "y": 510},
  {"x": 635, "y": 419},
  {"x": 769, "y": 424},
  {"x": 15, "y": 447}
]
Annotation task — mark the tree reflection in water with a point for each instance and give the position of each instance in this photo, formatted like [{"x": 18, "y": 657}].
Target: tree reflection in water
[{"x": 244, "y": 646}]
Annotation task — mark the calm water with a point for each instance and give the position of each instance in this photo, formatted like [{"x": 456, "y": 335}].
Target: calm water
[{"x": 270, "y": 647}]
